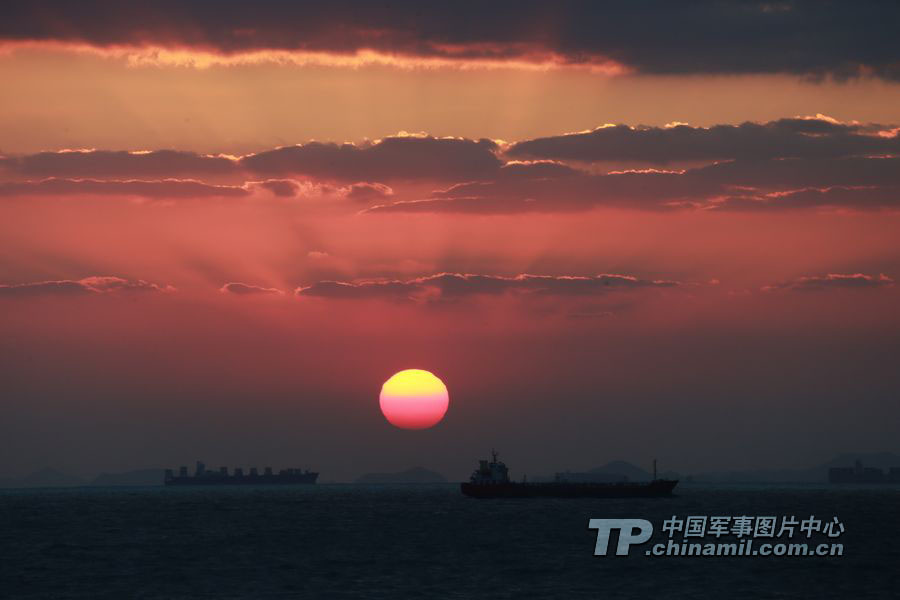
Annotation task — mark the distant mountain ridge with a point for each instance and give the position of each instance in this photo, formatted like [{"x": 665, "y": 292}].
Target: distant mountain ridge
[{"x": 412, "y": 475}]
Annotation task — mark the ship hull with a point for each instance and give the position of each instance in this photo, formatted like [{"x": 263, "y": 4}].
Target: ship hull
[
  {"x": 653, "y": 489},
  {"x": 208, "y": 480}
]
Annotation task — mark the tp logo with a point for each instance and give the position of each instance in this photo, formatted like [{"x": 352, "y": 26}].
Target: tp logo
[{"x": 631, "y": 531}]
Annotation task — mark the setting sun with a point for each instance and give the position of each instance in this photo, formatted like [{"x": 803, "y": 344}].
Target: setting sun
[{"x": 414, "y": 399}]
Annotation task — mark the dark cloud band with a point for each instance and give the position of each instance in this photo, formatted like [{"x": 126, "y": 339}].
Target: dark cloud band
[
  {"x": 804, "y": 37},
  {"x": 166, "y": 188},
  {"x": 393, "y": 158},
  {"x": 833, "y": 281},
  {"x": 449, "y": 286},
  {"x": 857, "y": 183},
  {"x": 785, "y": 138},
  {"x": 106, "y": 163},
  {"x": 789, "y": 163},
  {"x": 244, "y": 289},
  {"x": 81, "y": 287}
]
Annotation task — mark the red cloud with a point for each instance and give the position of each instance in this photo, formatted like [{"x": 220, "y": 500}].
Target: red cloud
[
  {"x": 445, "y": 286},
  {"x": 244, "y": 289},
  {"x": 165, "y": 188},
  {"x": 116, "y": 164},
  {"x": 858, "y": 281},
  {"x": 366, "y": 192},
  {"x": 86, "y": 286}
]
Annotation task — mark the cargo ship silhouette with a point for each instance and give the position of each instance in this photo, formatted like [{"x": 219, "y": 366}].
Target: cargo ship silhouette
[
  {"x": 491, "y": 480},
  {"x": 221, "y": 477}
]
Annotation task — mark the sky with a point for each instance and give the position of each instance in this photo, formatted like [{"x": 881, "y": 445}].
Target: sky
[{"x": 630, "y": 230}]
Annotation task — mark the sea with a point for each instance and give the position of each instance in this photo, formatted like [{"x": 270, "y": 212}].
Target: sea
[{"x": 421, "y": 541}]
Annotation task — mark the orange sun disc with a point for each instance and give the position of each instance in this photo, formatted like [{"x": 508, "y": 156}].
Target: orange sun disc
[{"x": 414, "y": 399}]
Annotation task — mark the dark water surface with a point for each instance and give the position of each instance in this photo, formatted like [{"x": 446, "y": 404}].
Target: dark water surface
[{"x": 343, "y": 541}]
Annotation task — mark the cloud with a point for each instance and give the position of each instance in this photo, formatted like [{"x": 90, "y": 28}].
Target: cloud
[
  {"x": 578, "y": 191},
  {"x": 854, "y": 183},
  {"x": 190, "y": 188},
  {"x": 476, "y": 179},
  {"x": 857, "y": 281},
  {"x": 819, "y": 137},
  {"x": 538, "y": 169},
  {"x": 283, "y": 188},
  {"x": 165, "y": 188},
  {"x": 81, "y": 287},
  {"x": 289, "y": 188},
  {"x": 116, "y": 164},
  {"x": 799, "y": 37},
  {"x": 405, "y": 157},
  {"x": 367, "y": 192},
  {"x": 799, "y": 173},
  {"x": 448, "y": 286},
  {"x": 856, "y": 198},
  {"x": 408, "y": 158},
  {"x": 243, "y": 289}
]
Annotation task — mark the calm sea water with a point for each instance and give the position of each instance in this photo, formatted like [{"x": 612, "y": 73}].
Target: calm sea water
[{"x": 344, "y": 541}]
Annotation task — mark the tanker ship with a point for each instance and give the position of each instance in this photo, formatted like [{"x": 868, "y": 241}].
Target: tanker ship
[
  {"x": 491, "y": 480},
  {"x": 202, "y": 476}
]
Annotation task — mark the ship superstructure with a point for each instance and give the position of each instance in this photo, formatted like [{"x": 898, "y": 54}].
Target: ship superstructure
[
  {"x": 490, "y": 472},
  {"x": 491, "y": 480},
  {"x": 203, "y": 476}
]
